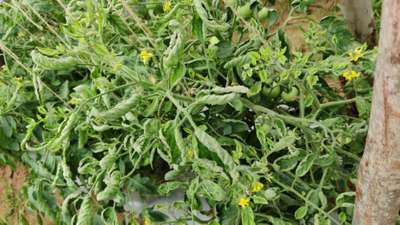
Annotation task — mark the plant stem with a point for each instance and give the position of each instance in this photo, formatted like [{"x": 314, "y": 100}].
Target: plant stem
[
  {"x": 348, "y": 154},
  {"x": 300, "y": 122},
  {"x": 305, "y": 200},
  {"x": 337, "y": 103}
]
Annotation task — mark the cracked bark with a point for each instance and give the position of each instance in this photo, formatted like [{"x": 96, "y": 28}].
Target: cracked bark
[
  {"x": 378, "y": 185},
  {"x": 1, "y": 59},
  {"x": 360, "y": 19}
]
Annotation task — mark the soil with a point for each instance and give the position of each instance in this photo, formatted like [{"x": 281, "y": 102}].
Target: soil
[
  {"x": 296, "y": 27},
  {"x": 12, "y": 206}
]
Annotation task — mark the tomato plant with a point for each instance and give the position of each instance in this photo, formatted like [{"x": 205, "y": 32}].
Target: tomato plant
[{"x": 129, "y": 109}]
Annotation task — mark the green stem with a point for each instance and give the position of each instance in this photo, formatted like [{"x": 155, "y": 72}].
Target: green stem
[
  {"x": 301, "y": 102},
  {"x": 349, "y": 154},
  {"x": 337, "y": 103},
  {"x": 305, "y": 200},
  {"x": 181, "y": 109},
  {"x": 300, "y": 122},
  {"x": 321, "y": 183}
]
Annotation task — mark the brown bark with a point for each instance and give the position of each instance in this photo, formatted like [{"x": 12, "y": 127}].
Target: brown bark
[
  {"x": 360, "y": 19},
  {"x": 378, "y": 186},
  {"x": 1, "y": 59}
]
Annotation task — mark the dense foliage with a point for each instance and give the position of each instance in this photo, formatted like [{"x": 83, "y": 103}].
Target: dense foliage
[{"x": 164, "y": 112}]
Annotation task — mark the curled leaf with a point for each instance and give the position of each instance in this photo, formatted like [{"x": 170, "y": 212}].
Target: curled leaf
[{"x": 85, "y": 215}]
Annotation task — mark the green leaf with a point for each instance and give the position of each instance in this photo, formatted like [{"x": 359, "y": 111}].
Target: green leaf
[
  {"x": 231, "y": 214},
  {"x": 255, "y": 89},
  {"x": 312, "y": 80},
  {"x": 213, "y": 40},
  {"x": 47, "y": 63},
  {"x": 88, "y": 165},
  {"x": 6, "y": 127},
  {"x": 363, "y": 107},
  {"x": 345, "y": 199},
  {"x": 65, "y": 212},
  {"x": 192, "y": 191},
  {"x": 342, "y": 217},
  {"x": 322, "y": 199},
  {"x": 321, "y": 220},
  {"x": 301, "y": 212},
  {"x": 272, "y": 17},
  {"x": 85, "y": 215},
  {"x": 180, "y": 143},
  {"x": 50, "y": 51},
  {"x": 6, "y": 131},
  {"x": 37, "y": 167},
  {"x": 270, "y": 194},
  {"x": 62, "y": 140},
  {"x": 231, "y": 89},
  {"x": 259, "y": 199},
  {"x": 199, "y": 6},
  {"x": 237, "y": 61},
  {"x": 313, "y": 197},
  {"x": 109, "y": 216},
  {"x": 284, "y": 143},
  {"x": 173, "y": 52},
  {"x": 212, "y": 191},
  {"x": 216, "y": 99},
  {"x": 108, "y": 160},
  {"x": 156, "y": 216},
  {"x": 225, "y": 49},
  {"x": 247, "y": 216},
  {"x": 208, "y": 169},
  {"x": 152, "y": 107},
  {"x": 326, "y": 160},
  {"x": 286, "y": 163},
  {"x": 305, "y": 165},
  {"x": 120, "y": 109},
  {"x": 254, "y": 57},
  {"x": 214, "y": 222},
  {"x": 277, "y": 221},
  {"x": 197, "y": 26},
  {"x": 177, "y": 74},
  {"x": 167, "y": 187},
  {"x": 213, "y": 145},
  {"x": 112, "y": 189}
]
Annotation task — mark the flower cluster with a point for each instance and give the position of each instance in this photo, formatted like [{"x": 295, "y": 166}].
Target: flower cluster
[
  {"x": 243, "y": 202},
  {"x": 350, "y": 74},
  {"x": 145, "y": 56},
  {"x": 167, "y": 6},
  {"x": 256, "y": 187},
  {"x": 355, "y": 55}
]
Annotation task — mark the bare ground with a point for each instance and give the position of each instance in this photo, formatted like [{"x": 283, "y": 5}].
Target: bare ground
[{"x": 12, "y": 205}]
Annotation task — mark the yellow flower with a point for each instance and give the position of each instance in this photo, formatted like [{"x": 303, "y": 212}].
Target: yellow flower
[
  {"x": 350, "y": 75},
  {"x": 190, "y": 153},
  {"x": 354, "y": 56},
  {"x": 167, "y": 6},
  {"x": 147, "y": 221},
  {"x": 145, "y": 56},
  {"x": 243, "y": 202},
  {"x": 257, "y": 186}
]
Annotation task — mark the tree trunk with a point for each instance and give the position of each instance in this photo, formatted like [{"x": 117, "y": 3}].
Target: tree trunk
[
  {"x": 360, "y": 18},
  {"x": 1, "y": 59},
  {"x": 378, "y": 185}
]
